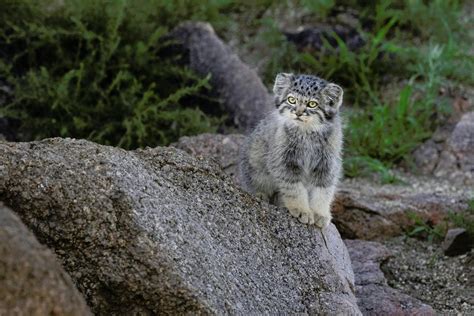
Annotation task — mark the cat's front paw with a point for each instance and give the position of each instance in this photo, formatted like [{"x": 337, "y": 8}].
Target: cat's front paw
[
  {"x": 309, "y": 217},
  {"x": 322, "y": 221},
  {"x": 304, "y": 216}
]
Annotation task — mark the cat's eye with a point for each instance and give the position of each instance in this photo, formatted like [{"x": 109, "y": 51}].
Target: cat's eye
[
  {"x": 291, "y": 100},
  {"x": 312, "y": 104}
]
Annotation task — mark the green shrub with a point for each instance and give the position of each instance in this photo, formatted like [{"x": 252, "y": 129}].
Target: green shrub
[
  {"x": 431, "y": 20},
  {"x": 99, "y": 70}
]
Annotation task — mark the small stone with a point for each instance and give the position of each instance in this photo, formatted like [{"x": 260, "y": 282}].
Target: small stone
[
  {"x": 457, "y": 242},
  {"x": 426, "y": 156}
]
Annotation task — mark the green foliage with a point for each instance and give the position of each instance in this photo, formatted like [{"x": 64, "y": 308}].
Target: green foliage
[
  {"x": 389, "y": 132},
  {"x": 283, "y": 52},
  {"x": 359, "y": 71},
  {"x": 319, "y": 7},
  {"x": 384, "y": 134},
  {"x": 426, "y": 230},
  {"x": 423, "y": 229},
  {"x": 470, "y": 204},
  {"x": 171, "y": 13},
  {"x": 464, "y": 219},
  {"x": 437, "y": 19},
  {"x": 434, "y": 63},
  {"x": 366, "y": 166},
  {"x": 91, "y": 70}
]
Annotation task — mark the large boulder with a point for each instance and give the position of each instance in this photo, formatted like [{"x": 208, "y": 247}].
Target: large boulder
[
  {"x": 158, "y": 231},
  {"x": 362, "y": 209},
  {"x": 235, "y": 84},
  {"x": 32, "y": 282},
  {"x": 374, "y": 296}
]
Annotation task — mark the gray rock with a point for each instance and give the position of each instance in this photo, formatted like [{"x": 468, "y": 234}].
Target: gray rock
[
  {"x": 362, "y": 209},
  {"x": 241, "y": 91},
  {"x": 419, "y": 269},
  {"x": 365, "y": 210},
  {"x": 461, "y": 143},
  {"x": 158, "y": 231},
  {"x": 446, "y": 165},
  {"x": 224, "y": 149},
  {"x": 371, "y": 211},
  {"x": 374, "y": 296},
  {"x": 450, "y": 152},
  {"x": 426, "y": 156},
  {"x": 457, "y": 242},
  {"x": 32, "y": 282}
]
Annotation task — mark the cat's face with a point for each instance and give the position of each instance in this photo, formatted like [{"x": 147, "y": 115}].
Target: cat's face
[{"x": 306, "y": 101}]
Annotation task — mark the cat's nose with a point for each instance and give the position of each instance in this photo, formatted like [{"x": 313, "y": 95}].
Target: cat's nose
[{"x": 299, "y": 111}]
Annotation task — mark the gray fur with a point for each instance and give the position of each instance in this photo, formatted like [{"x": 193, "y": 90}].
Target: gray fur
[{"x": 294, "y": 154}]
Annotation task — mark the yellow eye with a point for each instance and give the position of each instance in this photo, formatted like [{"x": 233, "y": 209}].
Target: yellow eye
[
  {"x": 312, "y": 104},
  {"x": 291, "y": 100}
]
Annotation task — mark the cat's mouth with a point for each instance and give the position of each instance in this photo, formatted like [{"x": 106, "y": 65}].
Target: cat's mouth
[{"x": 303, "y": 119}]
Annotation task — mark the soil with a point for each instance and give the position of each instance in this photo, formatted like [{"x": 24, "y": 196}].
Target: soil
[{"x": 420, "y": 269}]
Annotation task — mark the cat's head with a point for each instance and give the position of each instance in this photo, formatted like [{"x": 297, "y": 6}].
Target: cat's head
[{"x": 306, "y": 101}]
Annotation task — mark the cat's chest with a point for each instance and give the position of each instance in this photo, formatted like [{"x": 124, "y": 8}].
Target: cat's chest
[
  {"x": 308, "y": 152},
  {"x": 311, "y": 153}
]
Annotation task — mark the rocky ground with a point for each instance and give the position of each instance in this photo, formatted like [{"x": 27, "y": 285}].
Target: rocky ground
[{"x": 420, "y": 269}]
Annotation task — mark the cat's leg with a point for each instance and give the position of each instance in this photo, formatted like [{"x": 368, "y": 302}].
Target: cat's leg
[
  {"x": 264, "y": 185},
  {"x": 294, "y": 197},
  {"x": 320, "y": 199}
]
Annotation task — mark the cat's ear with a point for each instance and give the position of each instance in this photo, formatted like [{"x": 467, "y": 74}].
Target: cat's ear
[
  {"x": 282, "y": 82},
  {"x": 334, "y": 94}
]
